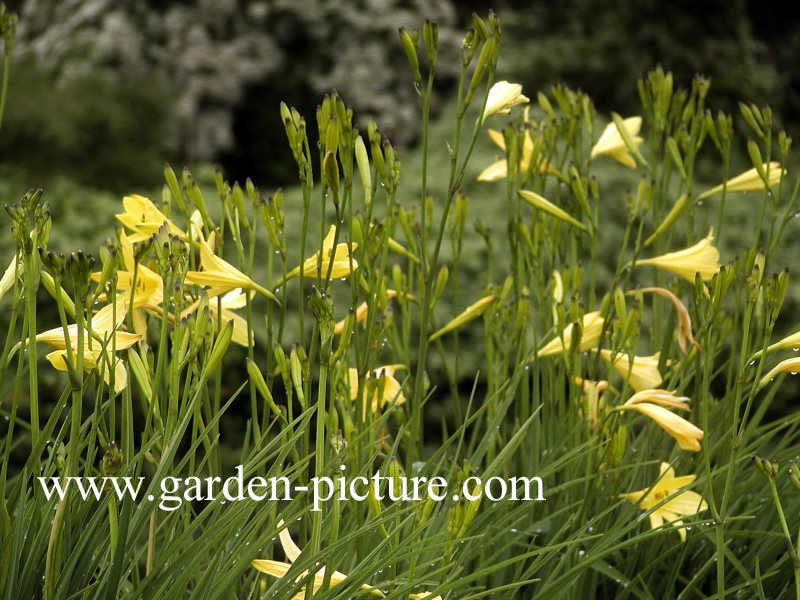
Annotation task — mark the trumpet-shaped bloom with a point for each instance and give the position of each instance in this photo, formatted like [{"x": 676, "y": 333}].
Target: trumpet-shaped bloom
[
  {"x": 591, "y": 330},
  {"x": 385, "y": 388},
  {"x": 641, "y": 372},
  {"x": 343, "y": 263},
  {"x": 502, "y": 96},
  {"x": 655, "y": 404},
  {"x": 790, "y": 365},
  {"x": 499, "y": 169},
  {"x": 221, "y": 308},
  {"x": 701, "y": 258},
  {"x": 679, "y": 504},
  {"x": 219, "y": 275},
  {"x": 9, "y": 276},
  {"x": 750, "y": 181},
  {"x": 685, "y": 336},
  {"x": 148, "y": 287},
  {"x": 292, "y": 552},
  {"x": 473, "y": 311},
  {"x": 99, "y": 344},
  {"x": 612, "y": 145},
  {"x": 143, "y": 288},
  {"x": 143, "y": 218}
]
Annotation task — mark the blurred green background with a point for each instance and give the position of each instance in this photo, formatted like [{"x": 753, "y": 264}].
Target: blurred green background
[{"x": 103, "y": 93}]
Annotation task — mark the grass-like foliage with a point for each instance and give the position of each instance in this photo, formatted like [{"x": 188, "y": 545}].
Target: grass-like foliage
[{"x": 637, "y": 386}]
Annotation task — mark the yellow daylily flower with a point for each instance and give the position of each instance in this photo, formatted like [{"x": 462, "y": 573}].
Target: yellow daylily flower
[
  {"x": 790, "y": 365},
  {"x": 749, "y": 181},
  {"x": 654, "y": 403},
  {"x": 591, "y": 329},
  {"x": 499, "y": 169},
  {"x": 702, "y": 258},
  {"x": 9, "y": 275},
  {"x": 292, "y": 551},
  {"x": 321, "y": 261},
  {"x": 360, "y": 313},
  {"x": 685, "y": 336},
  {"x": 641, "y": 372},
  {"x": 148, "y": 291},
  {"x": 387, "y": 389},
  {"x": 221, "y": 309},
  {"x": 473, "y": 311},
  {"x": 593, "y": 403},
  {"x": 99, "y": 343},
  {"x": 219, "y": 275},
  {"x": 143, "y": 218},
  {"x": 612, "y": 145},
  {"x": 678, "y": 503},
  {"x": 502, "y": 96}
]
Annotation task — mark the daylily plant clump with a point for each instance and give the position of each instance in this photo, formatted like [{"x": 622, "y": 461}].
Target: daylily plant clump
[{"x": 636, "y": 383}]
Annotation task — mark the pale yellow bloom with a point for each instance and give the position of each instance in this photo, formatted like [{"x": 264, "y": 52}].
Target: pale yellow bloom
[
  {"x": 499, "y": 169},
  {"x": 9, "y": 276},
  {"x": 612, "y": 145},
  {"x": 219, "y": 275},
  {"x": 99, "y": 344},
  {"x": 141, "y": 287},
  {"x": 221, "y": 309},
  {"x": 143, "y": 218},
  {"x": 790, "y": 365},
  {"x": 654, "y": 403},
  {"x": 593, "y": 405},
  {"x": 502, "y": 96},
  {"x": 544, "y": 204},
  {"x": 149, "y": 287},
  {"x": 343, "y": 263},
  {"x": 685, "y": 336},
  {"x": 591, "y": 330},
  {"x": 749, "y": 181},
  {"x": 360, "y": 313},
  {"x": 702, "y": 259},
  {"x": 292, "y": 552},
  {"x": 641, "y": 372},
  {"x": 385, "y": 388},
  {"x": 679, "y": 504},
  {"x": 473, "y": 311}
]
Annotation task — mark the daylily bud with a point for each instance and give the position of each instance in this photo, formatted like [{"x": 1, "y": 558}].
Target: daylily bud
[
  {"x": 486, "y": 57},
  {"x": 441, "y": 282},
  {"x": 768, "y": 468},
  {"x": 331, "y": 170},
  {"x": 362, "y": 162},
  {"x": 408, "y": 40},
  {"x": 794, "y": 474},
  {"x": 217, "y": 351},
  {"x": 672, "y": 215},
  {"x": 473, "y": 311},
  {"x": 430, "y": 36},
  {"x": 296, "y": 371},
  {"x": 541, "y": 203}
]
